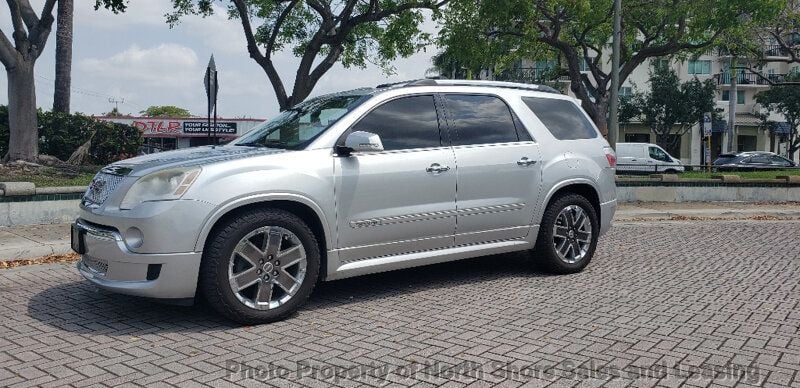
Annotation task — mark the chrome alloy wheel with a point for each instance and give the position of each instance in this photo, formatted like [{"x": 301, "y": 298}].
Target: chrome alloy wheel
[
  {"x": 267, "y": 267},
  {"x": 572, "y": 234}
]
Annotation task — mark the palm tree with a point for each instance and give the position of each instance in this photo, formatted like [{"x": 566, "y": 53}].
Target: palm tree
[{"x": 61, "y": 96}]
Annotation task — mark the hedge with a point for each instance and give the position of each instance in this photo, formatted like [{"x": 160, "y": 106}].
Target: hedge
[{"x": 60, "y": 134}]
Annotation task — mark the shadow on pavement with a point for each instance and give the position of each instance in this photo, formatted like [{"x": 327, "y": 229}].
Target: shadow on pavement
[{"x": 81, "y": 308}]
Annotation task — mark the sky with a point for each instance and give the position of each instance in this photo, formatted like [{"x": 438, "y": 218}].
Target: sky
[{"x": 138, "y": 58}]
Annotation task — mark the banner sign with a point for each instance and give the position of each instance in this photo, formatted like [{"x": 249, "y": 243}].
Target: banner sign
[{"x": 196, "y": 127}]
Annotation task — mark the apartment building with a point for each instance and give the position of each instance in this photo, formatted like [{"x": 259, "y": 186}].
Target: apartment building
[{"x": 750, "y": 134}]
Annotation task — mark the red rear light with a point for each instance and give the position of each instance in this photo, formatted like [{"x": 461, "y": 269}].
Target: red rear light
[{"x": 611, "y": 157}]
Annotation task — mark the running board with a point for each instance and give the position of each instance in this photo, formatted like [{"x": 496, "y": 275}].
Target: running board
[{"x": 408, "y": 260}]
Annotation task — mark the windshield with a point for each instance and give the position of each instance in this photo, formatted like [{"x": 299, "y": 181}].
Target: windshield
[{"x": 296, "y": 127}]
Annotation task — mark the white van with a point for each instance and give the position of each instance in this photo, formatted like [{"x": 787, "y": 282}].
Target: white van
[{"x": 646, "y": 158}]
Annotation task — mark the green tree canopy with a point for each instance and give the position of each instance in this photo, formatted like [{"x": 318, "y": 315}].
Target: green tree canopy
[
  {"x": 165, "y": 111},
  {"x": 785, "y": 99},
  {"x": 670, "y": 108},
  {"x": 578, "y": 33},
  {"x": 321, "y": 33}
]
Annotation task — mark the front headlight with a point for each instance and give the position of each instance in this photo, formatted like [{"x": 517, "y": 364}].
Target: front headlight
[{"x": 160, "y": 186}]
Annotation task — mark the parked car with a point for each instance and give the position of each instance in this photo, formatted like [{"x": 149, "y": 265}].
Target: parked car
[
  {"x": 349, "y": 184},
  {"x": 751, "y": 161},
  {"x": 646, "y": 158}
]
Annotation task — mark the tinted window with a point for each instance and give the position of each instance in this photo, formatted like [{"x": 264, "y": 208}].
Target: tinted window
[
  {"x": 561, "y": 117},
  {"x": 408, "y": 122},
  {"x": 758, "y": 159},
  {"x": 481, "y": 120},
  {"x": 779, "y": 161}
]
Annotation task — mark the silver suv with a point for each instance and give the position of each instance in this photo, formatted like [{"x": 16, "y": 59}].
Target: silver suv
[{"x": 349, "y": 184}]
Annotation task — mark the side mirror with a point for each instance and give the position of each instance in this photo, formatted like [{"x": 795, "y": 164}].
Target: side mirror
[{"x": 360, "y": 141}]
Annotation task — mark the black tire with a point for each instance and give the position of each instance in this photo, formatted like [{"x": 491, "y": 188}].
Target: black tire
[
  {"x": 671, "y": 171},
  {"x": 545, "y": 251},
  {"x": 213, "y": 279}
]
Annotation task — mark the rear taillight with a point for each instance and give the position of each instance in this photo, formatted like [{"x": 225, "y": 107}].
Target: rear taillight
[{"x": 611, "y": 157}]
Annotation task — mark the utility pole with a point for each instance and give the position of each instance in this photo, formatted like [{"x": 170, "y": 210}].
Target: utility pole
[
  {"x": 613, "y": 111},
  {"x": 732, "y": 100},
  {"x": 116, "y": 102}
]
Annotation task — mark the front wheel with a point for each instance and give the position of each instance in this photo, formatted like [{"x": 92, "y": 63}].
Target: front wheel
[
  {"x": 567, "y": 235},
  {"x": 260, "y": 266}
]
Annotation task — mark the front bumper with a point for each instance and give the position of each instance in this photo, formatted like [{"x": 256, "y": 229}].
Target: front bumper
[{"x": 110, "y": 265}]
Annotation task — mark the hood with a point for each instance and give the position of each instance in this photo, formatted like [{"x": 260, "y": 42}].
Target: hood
[{"x": 196, "y": 156}]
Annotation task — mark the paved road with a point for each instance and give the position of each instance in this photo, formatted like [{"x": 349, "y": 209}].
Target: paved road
[{"x": 664, "y": 303}]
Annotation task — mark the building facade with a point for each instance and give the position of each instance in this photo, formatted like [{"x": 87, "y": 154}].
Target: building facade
[
  {"x": 169, "y": 133},
  {"x": 749, "y": 135}
]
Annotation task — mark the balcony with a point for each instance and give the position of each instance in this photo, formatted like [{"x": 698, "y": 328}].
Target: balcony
[
  {"x": 776, "y": 51},
  {"x": 749, "y": 79}
]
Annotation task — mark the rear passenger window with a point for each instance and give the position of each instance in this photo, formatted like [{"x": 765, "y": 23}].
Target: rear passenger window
[
  {"x": 561, "y": 117},
  {"x": 481, "y": 119}
]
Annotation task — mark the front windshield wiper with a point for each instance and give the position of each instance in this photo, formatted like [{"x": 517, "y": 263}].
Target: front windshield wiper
[{"x": 269, "y": 143}]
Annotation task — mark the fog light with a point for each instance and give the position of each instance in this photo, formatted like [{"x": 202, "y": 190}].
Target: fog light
[{"x": 134, "y": 237}]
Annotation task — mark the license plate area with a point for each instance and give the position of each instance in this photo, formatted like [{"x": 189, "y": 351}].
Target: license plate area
[{"x": 78, "y": 239}]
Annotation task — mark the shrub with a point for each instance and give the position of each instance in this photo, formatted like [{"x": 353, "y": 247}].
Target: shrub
[
  {"x": 60, "y": 134},
  {"x": 114, "y": 141}
]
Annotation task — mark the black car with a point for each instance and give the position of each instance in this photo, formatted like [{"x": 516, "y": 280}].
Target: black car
[{"x": 749, "y": 161}]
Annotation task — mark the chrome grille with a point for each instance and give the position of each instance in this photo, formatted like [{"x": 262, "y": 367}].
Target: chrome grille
[
  {"x": 100, "y": 188},
  {"x": 98, "y": 266}
]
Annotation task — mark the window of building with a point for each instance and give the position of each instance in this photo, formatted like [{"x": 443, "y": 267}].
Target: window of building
[
  {"x": 700, "y": 67},
  {"x": 404, "y": 123},
  {"x": 625, "y": 91},
  {"x": 660, "y": 63},
  {"x": 637, "y": 137},
  {"x": 585, "y": 64},
  {"x": 481, "y": 119},
  {"x": 562, "y": 118},
  {"x": 739, "y": 96},
  {"x": 747, "y": 143}
]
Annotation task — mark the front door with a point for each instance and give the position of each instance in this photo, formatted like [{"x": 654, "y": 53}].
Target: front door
[
  {"x": 499, "y": 170},
  {"x": 400, "y": 200}
]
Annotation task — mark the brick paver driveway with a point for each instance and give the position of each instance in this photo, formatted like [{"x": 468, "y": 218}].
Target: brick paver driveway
[{"x": 664, "y": 303}]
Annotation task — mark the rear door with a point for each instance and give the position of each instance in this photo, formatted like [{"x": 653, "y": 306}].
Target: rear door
[{"x": 498, "y": 169}]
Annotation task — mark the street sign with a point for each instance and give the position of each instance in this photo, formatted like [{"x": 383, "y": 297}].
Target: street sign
[
  {"x": 211, "y": 85},
  {"x": 707, "y": 124}
]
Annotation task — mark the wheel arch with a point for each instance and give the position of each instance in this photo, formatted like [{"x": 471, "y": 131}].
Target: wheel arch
[
  {"x": 582, "y": 187},
  {"x": 300, "y": 206}
]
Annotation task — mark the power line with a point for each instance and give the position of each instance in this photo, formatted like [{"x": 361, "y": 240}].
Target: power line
[{"x": 91, "y": 93}]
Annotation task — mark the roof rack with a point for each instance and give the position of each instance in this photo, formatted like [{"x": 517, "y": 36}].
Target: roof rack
[{"x": 461, "y": 82}]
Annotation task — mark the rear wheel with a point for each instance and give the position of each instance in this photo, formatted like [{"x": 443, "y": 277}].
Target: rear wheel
[
  {"x": 567, "y": 235},
  {"x": 260, "y": 267}
]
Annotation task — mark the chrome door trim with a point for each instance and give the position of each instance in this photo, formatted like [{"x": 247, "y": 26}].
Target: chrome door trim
[{"x": 373, "y": 222}]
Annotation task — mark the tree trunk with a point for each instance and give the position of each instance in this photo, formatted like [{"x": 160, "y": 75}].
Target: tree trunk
[
  {"x": 61, "y": 96},
  {"x": 23, "y": 143},
  {"x": 600, "y": 115}
]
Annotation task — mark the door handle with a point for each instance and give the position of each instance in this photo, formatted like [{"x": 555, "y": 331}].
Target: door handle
[
  {"x": 437, "y": 168},
  {"x": 525, "y": 162}
]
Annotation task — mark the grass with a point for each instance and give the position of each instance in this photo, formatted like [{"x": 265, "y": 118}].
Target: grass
[
  {"x": 50, "y": 176},
  {"x": 743, "y": 174},
  {"x": 82, "y": 179}
]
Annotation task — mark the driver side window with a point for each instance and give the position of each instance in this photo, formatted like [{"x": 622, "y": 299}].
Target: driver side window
[
  {"x": 404, "y": 123},
  {"x": 658, "y": 154}
]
